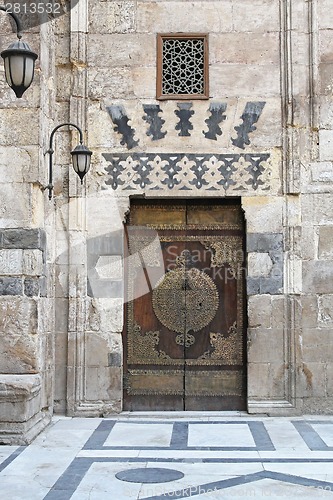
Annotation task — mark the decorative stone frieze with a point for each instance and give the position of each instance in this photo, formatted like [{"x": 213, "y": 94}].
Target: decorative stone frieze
[{"x": 234, "y": 173}]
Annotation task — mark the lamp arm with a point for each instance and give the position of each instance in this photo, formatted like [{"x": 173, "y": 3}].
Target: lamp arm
[
  {"x": 51, "y": 152},
  {"x": 16, "y": 19}
]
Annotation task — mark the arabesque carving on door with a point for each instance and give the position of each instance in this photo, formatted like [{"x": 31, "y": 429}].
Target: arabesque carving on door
[{"x": 184, "y": 339}]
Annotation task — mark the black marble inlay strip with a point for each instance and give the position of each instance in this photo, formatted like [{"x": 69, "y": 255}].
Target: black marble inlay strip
[
  {"x": 187, "y": 448},
  {"x": 195, "y": 490},
  {"x": 99, "y": 436},
  {"x": 261, "y": 436},
  {"x": 179, "y": 436},
  {"x": 224, "y": 422},
  {"x": 11, "y": 457},
  {"x": 310, "y": 436},
  {"x": 69, "y": 481},
  {"x": 213, "y": 460},
  {"x": 139, "y": 422},
  {"x": 242, "y": 480},
  {"x": 319, "y": 422}
]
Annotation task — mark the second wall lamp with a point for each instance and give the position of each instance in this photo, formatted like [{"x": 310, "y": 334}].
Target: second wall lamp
[{"x": 81, "y": 157}]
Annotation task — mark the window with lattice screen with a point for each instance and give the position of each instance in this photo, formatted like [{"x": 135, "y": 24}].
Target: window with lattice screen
[{"x": 182, "y": 66}]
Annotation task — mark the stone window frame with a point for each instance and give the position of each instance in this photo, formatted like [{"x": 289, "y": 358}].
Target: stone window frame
[{"x": 164, "y": 36}]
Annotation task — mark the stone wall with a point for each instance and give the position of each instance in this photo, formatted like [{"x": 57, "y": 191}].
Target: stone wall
[
  {"x": 26, "y": 331},
  {"x": 264, "y": 135}
]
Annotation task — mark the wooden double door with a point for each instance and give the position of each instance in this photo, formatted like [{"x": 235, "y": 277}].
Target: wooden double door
[{"x": 184, "y": 334}]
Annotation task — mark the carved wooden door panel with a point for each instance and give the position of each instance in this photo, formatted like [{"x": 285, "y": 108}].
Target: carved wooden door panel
[{"x": 184, "y": 345}]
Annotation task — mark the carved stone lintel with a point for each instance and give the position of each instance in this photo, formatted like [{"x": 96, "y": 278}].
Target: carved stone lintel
[{"x": 188, "y": 172}]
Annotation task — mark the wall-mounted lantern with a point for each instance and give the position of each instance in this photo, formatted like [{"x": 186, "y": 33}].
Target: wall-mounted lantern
[
  {"x": 19, "y": 60},
  {"x": 81, "y": 157}
]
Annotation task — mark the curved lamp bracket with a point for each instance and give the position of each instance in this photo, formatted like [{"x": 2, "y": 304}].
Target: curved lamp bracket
[{"x": 79, "y": 151}]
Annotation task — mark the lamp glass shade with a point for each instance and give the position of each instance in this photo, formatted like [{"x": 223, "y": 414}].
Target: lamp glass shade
[
  {"x": 19, "y": 63},
  {"x": 81, "y": 160}
]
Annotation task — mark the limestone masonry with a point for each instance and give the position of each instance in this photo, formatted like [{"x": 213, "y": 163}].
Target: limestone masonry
[{"x": 263, "y": 137}]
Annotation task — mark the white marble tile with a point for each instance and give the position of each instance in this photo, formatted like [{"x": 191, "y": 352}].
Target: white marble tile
[
  {"x": 284, "y": 435},
  {"x": 63, "y": 436},
  {"x": 325, "y": 431},
  {"x": 43, "y": 465},
  {"x": 238, "y": 435},
  {"x": 312, "y": 469},
  {"x": 131, "y": 434},
  {"x": 110, "y": 453},
  {"x": 76, "y": 424},
  {"x": 317, "y": 417},
  {"x": 100, "y": 483},
  {"x": 199, "y": 454},
  {"x": 6, "y": 451},
  {"x": 18, "y": 488},
  {"x": 287, "y": 453}
]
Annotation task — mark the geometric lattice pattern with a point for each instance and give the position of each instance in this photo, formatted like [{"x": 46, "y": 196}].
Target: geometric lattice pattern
[
  {"x": 183, "y": 66},
  {"x": 187, "y": 172}
]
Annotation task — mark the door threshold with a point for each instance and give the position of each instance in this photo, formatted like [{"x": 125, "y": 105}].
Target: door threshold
[{"x": 184, "y": 414}]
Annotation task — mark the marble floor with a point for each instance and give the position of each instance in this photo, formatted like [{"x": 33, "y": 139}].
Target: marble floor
[{"x": 148, "y": 456}]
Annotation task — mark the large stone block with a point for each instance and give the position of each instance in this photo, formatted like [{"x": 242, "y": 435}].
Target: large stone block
[
  {"x": 263, "y": 214},
  {"x": 264, "y": 242},
  {"x": 266, "y": 381},
  {"x": 244, "y": 48},
  {"x": 265, "y": 345},
  {"x": 317, "y": 276},
  {"x": 259, "y": 264},
  {"x": 19, "y": 344},
  {"x": 260, "y": 311},
  {"x": 322, "y": 172},
  {"x": 311, "y": 380},
  {"x": 326, "y": 140},
  {"x": 309, "y": 305},
  {"x": 112, "y": 50},
  {"x": 315, "y": 405},
  {"x": 21, "y": 416},
  {"x": 96, "y": 350},
  {"x": 18, "y": 214},
  {"x": 106, "y": 315},
  {"x": 103, "y": 384},
  {"x": 317, "y": 209},
  {"x": 325, "y": 105},
  {"x": 22, "y": 162},
  {"x": 100, "y": 136},
  {"x": 325, "y": 15},
  {"x": 325, "y": 311},
  {"x": 316, "y": 345},
  {"x": 265, "y": 263},
  {"x": 178, "y": 16},
  {"x": 11, "y": 286},
  {"x": 19, "y": 126},
  {"x": 279, "y": 316},
  {"x": 11, "y": 262},
  {"x": 329, "y": 378},
  {"x": 116, "y": 85},
  {"x": 23, "y": 238},
  {"x": 112, "y": 17},
  {"x": 325, "y": 45},
  {"x": 255, "y": 81},
  {"x": 325, "y": 246},
  {"x": 308, "y": 241},
  {"x": 260, "y": 16}
]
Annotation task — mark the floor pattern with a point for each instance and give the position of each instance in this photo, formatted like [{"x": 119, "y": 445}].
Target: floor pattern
[{"x": 157, "y": 456}]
